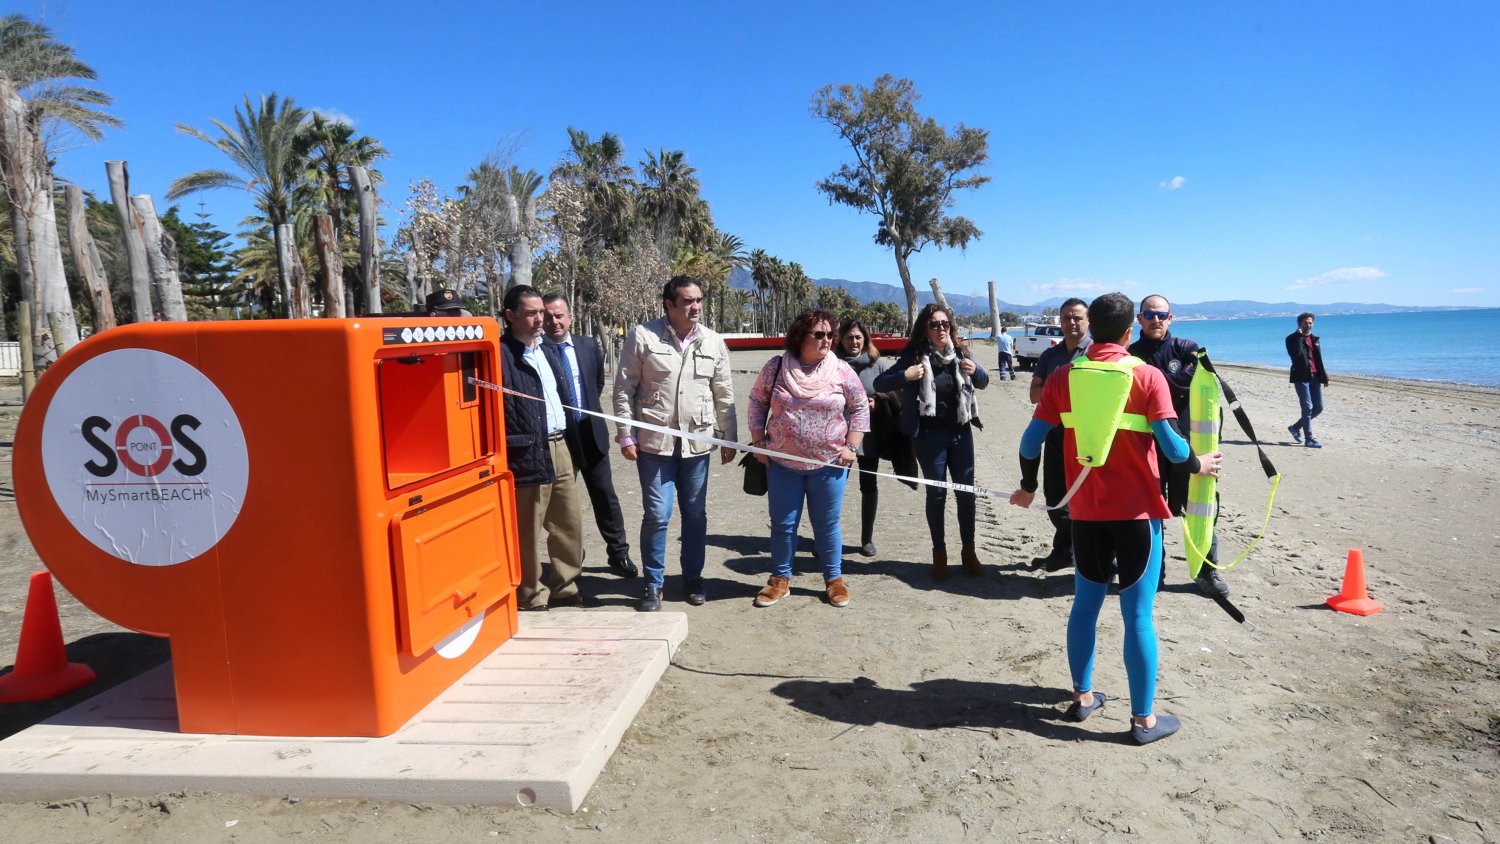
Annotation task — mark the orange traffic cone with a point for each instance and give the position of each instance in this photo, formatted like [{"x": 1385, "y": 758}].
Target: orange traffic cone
[
  {"x": 1353, "y": 598},
  {"x": 42, "y": 670}
]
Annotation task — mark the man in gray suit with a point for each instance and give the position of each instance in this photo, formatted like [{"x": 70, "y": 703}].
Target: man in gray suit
[{"x": 583, "y": 365}]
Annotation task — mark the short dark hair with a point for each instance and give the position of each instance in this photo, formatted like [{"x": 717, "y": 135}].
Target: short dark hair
[
  {"x": 675, "y": 284},
  {"x": 1156, "y": 296},
  {"x": 803, "y": 326},
  {"x": 1306, "y": 315},
  {"x": 853, "y": 325},
  {"x": 1110, "y": 316},
  {"x": 516, "y": 293},
  {"x": 1070, "y": 303},
  {"x": 555, "y": 297}
]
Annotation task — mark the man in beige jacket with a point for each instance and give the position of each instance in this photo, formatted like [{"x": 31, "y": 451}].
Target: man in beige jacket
[{"x": 674, "y": 373}]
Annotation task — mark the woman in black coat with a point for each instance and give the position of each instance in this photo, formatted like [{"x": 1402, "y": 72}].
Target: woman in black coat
[{"x": 937, "y": 378}]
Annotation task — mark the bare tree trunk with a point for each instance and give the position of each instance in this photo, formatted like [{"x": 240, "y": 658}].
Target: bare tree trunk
[
  {"x": 27, "y": 176},
  {"x": 520, "y": 245},
  {"x": 16, "y": 161},
  {"x": 994, "y": 314},
  {"x": 911, "y": 291},
  {"x": 284, "y": 244},
  {"x": 937, "y": 294},
  {"x": 135, "y": 247},
  {"x": 300, "y": 287},
  {"x": 86, "y": 259},
  {"x": 492, "y": 279},
  {"x": 414, "y": 292},
  {"x": 331, "y": 262},
  {"x": 368, "y": 271},
  {"x": 161, "y": 256},
  {"x": 28, "y": 361}
]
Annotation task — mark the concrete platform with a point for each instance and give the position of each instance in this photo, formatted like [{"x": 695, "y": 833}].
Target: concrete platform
[{"x": 533, "y": 724}]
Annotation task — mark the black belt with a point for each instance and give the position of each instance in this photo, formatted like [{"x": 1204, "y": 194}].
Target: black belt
[{"x": 552, "y": 438}]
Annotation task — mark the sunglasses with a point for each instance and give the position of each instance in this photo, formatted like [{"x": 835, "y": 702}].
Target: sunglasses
[
  {"x": 822, "y": 335},
  {"x": 1162, "y": 316},
  {"x": 940, "y": 326}
]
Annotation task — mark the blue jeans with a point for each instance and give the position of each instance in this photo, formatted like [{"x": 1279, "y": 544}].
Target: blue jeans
[
  {"x": 661, "y": 477},
  {"x": 1310, "y": 395},
  {"x": 941, "y": 452},
  {"x": 823, "y": 490}
]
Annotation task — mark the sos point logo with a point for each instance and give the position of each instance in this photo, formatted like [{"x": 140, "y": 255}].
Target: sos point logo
[
  {"x": 145, "y": 457},
  {"x": 143, "y": 446}
]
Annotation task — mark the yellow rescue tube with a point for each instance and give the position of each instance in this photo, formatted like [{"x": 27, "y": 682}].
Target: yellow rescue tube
[{"x": 1201, "y": 510}]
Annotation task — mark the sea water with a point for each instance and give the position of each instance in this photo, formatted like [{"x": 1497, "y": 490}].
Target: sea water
[{"x": 1460, "y": 346}]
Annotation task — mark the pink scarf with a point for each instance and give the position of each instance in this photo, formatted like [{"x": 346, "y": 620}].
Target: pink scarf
[{"x": 809, "y": 385}]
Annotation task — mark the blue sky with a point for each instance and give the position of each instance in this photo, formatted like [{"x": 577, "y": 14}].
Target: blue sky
[{"x": 1313, "y": 152}]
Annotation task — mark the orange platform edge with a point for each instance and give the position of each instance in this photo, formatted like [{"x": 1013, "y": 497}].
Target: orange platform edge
[{"x": 316, "y": 513}]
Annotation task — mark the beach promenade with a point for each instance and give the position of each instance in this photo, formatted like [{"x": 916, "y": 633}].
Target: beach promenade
[{"x": 933, "y": 712}]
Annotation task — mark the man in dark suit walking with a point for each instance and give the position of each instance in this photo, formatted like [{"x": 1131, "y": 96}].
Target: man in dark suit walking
[{"x": 583, "y": 364}]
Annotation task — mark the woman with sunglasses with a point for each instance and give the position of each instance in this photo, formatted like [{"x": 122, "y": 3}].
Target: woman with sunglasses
[
  {"x": 938, "y": 377},
  {"x": 807, "y": 404}
]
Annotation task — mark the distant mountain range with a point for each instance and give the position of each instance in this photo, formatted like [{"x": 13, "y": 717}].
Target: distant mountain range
[{"x": 874, "y": 291}]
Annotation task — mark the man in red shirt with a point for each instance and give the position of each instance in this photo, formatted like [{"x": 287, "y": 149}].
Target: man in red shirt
[{"x": 1116, "y": 511}]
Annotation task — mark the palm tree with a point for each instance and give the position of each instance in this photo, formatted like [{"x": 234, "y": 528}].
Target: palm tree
[
  {"x": 330, "y": 148},
  {"x": 38, "y": 94},
  {"x": 606, "y": 180},
  {"x": 669, "y": 200},
  {"x": 267, "y": 149},
  {"x": 521, "y": 202}
]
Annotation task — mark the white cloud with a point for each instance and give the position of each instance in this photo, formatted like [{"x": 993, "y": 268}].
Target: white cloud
[
  {"x": 1079, "y": 286},
  {"x": 1468, "y": 290},
  {"x": 333, "y": 114},
  {"x": 1173, "y": 183},
  {"x": 1339, "y": 278}
]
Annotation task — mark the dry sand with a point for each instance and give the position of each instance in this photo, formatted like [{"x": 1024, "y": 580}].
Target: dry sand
[{"x": 933, "y": 712}]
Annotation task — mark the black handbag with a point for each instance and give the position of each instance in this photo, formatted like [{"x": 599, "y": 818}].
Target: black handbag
[
  {"x": 755, "y": 471},
  {"x": 755, "y": 475}
]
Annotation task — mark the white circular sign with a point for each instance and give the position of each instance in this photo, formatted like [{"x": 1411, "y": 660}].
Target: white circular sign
[{"x": 145, "y": 457}]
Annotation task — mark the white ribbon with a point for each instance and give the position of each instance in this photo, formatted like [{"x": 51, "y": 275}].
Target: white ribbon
[{"x": 754, "y": 449}]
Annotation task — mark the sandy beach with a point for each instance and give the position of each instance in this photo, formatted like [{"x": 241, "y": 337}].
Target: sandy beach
[{"x": 933, "y": 712}]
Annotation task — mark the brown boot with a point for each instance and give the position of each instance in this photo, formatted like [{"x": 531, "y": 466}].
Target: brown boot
[
  {"x": 939, "y": 564},
  {"x": 971, "y": 562}
]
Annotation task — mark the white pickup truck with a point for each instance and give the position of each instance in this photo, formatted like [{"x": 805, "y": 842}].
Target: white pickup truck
[{"x": 1037, "y": 339}]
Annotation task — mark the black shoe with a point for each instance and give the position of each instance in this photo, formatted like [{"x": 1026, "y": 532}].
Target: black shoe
[
  {"x": 867, "y": 550},
  {"x": 1057, "y": 561},
  {"x": 577, "y": 599},
  {"x": 650, "y": 600},
  {"x": 695, "y": 594},
  {"x": 1210, "y": 583},
  {"x": 624, "y": 567},
  {"x": 537, "y": 608}
]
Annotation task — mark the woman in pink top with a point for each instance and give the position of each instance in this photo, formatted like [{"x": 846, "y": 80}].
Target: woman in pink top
[{"x": 808, "y": 404}]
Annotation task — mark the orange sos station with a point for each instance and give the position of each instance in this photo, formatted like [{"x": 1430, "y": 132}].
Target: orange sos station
[{"x": 316, "y": 513}]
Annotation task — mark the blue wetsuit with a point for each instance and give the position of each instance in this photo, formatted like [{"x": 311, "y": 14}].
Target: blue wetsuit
[{"x": 1130, "y": 548}]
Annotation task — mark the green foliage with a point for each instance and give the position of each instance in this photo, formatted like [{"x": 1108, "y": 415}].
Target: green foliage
[
  {"x": 265, "y": 145},
  {"x": 906, "y": 167},
  {"x": 37, "y": 66},
  {"x": 208, "y": 281},
  {"x": 1009, "y": 318}
]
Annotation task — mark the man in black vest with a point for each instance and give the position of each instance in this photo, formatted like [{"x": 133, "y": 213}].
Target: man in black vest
[
  {"x": 583, "y": 365},
  {"x": 1073, "y": 316},
  {"x": 1173, "y": 356},
  {"x": 540, "y": 457}
]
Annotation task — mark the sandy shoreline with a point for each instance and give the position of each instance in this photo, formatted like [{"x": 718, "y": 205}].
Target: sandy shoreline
[{"x": 933, "y": 711}]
